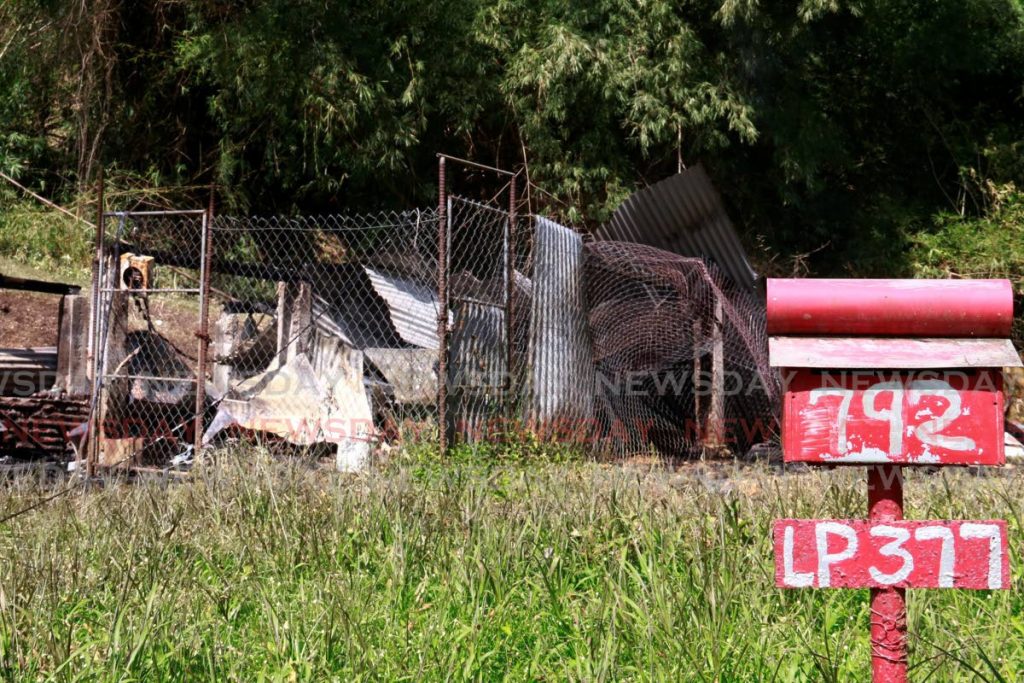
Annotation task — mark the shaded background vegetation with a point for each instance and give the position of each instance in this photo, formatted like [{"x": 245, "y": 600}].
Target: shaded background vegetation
[{"x": 875, "y": 136}]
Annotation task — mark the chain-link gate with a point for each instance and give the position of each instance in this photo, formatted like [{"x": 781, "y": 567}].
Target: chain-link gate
[
  {"x": 480, "y": 384},
  {"x": 147, "y": 337}
]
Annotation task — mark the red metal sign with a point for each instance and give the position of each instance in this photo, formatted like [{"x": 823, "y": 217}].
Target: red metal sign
[
  {"x": 916, "y": 417},
  {"x": 903, "y": 554}
]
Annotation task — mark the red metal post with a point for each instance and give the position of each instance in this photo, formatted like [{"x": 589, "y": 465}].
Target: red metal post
[{"x": 888, "y": 605}]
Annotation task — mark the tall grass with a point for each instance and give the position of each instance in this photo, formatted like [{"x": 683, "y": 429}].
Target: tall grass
[{"x": 263, "y": 570}]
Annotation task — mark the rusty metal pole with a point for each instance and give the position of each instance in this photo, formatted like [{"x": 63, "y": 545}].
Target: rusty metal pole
[
  {"x": 442, "y": 308},
  {"x": 203, "y": 333},
  {"x": 510, "y": 285},
  {"x": 93, "y": 441},
  {"x": 888, "y": 605}
]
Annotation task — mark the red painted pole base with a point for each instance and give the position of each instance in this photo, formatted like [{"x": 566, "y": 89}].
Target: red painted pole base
[
  {"x": 888, "y": 635},
  {"x": 888, "y": 605}
]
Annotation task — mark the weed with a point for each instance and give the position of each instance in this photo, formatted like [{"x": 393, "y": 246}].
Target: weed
[{"x": 495, "y": 569}]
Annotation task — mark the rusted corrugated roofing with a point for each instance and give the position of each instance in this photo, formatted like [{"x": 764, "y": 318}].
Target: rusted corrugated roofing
[
  {"x": 40, "y": 423},
  {"x": 685, "y": 215}
]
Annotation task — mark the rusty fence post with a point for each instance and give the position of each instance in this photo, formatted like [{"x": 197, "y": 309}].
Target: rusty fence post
[
  {"x": 203, "y": 333},
  {"x": 442, "y": 308},
  {"x": 92, "y": 441}
]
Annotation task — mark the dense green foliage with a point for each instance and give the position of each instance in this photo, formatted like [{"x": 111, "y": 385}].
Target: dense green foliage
[
  {"x": 264, "y": 571},
  {"x": 988, "y": 246},
  {"x": 834, "y": 126}
]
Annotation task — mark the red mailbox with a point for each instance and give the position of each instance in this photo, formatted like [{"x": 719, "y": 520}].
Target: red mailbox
[{"x": 891, "y": 373}]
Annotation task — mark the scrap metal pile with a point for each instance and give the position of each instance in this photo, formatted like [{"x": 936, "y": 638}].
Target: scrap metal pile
[
  {"x": 43, "y": 389},
  {"x": 330, "y": 334}
]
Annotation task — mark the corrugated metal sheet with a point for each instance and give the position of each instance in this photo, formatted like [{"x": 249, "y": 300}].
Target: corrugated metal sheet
[
  {"x": 477, "y": 345},
  {"x": 413, "y": 307},
  {"x": 40, "y": 423},
  {"x": 302, "y": 403},
  {"x": 329, "y": 323},
  {"x": 562, "y": 371},
  {"x": 476, "y": 368},
  {"x": 411, "y": 374},
  {"x": 683, "y": 214},
  {"x": 369, "y": 308},
  {"x": 346, "y": 304}
]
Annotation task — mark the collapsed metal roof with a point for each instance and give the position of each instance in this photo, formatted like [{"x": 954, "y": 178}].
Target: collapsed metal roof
[
  {"x": 683, "y": 214},
  {"x": 371, "y": 308}
]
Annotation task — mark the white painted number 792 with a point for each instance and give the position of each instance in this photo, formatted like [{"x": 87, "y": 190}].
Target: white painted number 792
[{"x": 928, "y": 433}]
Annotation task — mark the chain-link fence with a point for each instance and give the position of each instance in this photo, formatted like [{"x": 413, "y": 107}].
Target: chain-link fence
[
  {"x": 482, "y": 292},
  {"x": 326, "y": 332},
  {"x": 327, "y": 335}
]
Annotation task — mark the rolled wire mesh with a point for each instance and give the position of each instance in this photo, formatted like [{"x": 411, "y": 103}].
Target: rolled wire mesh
[{"x": 680, "y": 354}]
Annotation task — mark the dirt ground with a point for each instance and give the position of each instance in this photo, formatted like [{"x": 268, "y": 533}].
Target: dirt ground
[
  {"x": 28, "y": 319},
  {"x": 176, "y": 319}
]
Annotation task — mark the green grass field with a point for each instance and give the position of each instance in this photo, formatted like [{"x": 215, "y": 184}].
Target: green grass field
[{"x": 262, "y": 570}]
